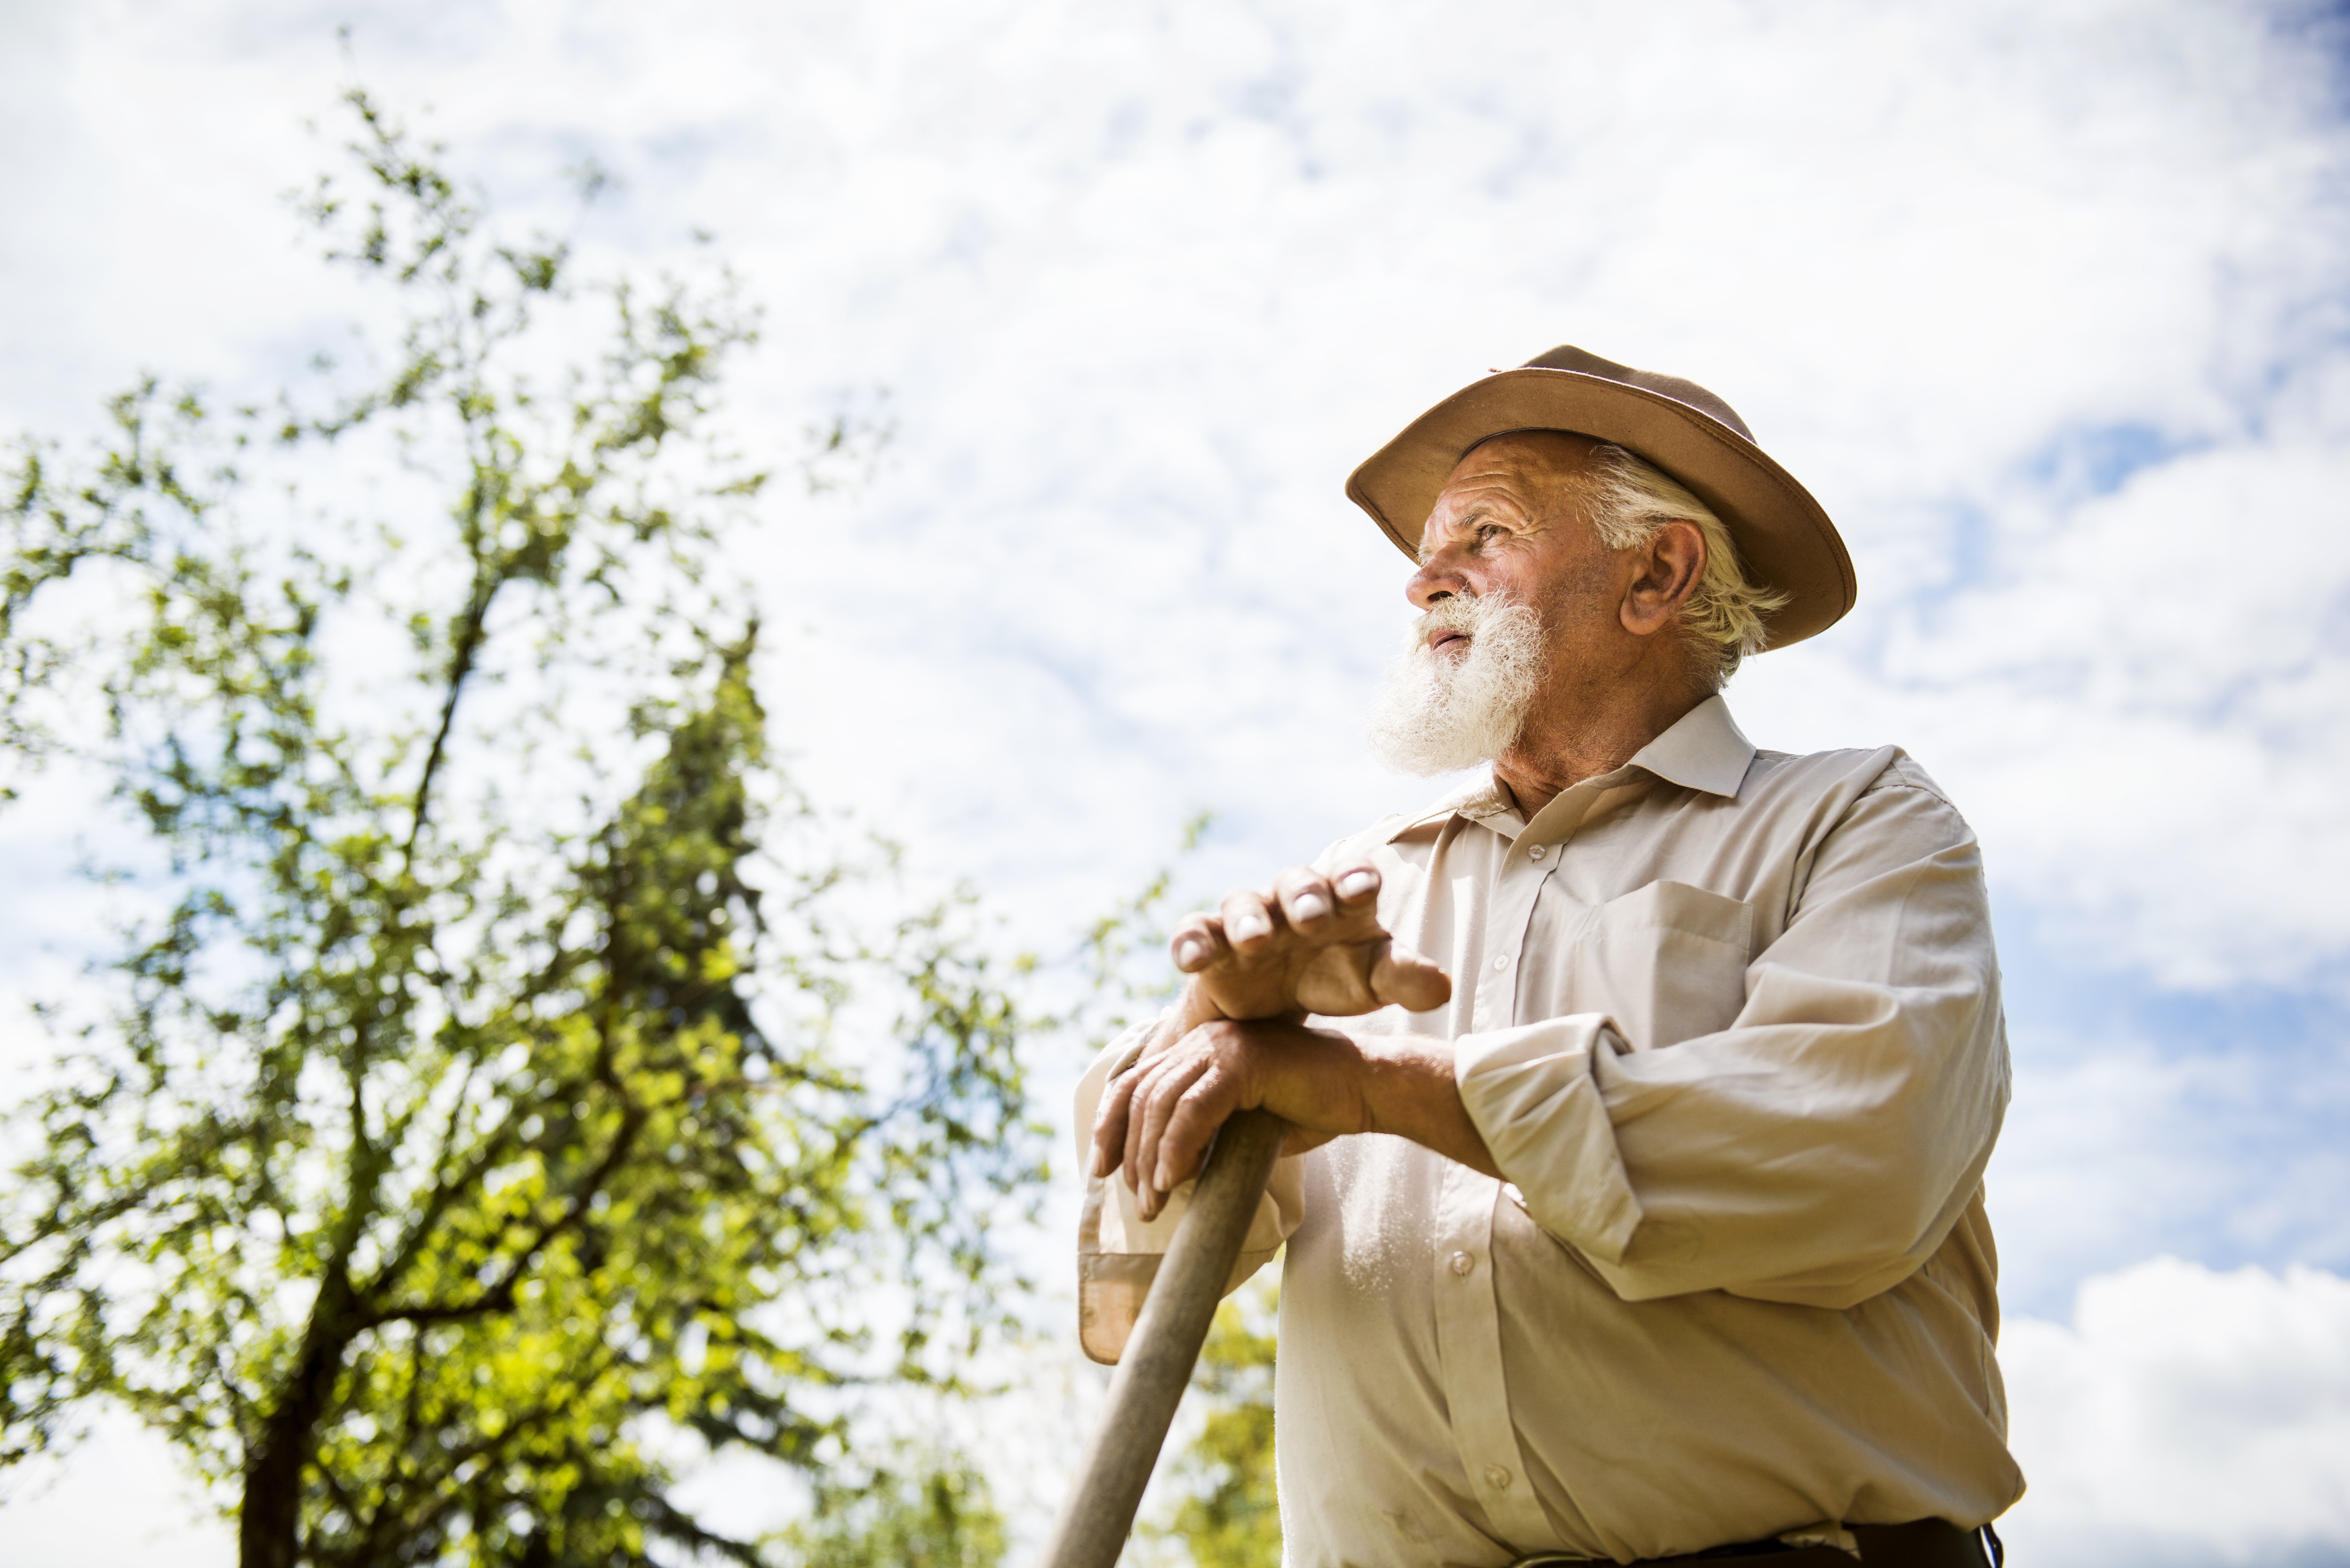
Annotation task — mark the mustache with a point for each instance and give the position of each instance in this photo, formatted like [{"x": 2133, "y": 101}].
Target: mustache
[{"x": 1465, "y": 612}]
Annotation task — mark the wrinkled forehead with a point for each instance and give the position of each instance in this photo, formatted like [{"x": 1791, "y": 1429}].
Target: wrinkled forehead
[
  {"x": 1534, "y": 457},
  {"x": 1524, "y": 471}
]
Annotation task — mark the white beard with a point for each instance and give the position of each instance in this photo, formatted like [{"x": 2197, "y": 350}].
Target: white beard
[{"x": 1441, "y": 713}]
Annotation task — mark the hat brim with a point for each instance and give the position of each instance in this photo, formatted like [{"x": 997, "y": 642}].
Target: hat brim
[{"x": 1784, "y": 536}]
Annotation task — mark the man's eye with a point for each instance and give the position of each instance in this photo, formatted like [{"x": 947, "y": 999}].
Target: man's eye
[{"x": 1488, "y": 532}]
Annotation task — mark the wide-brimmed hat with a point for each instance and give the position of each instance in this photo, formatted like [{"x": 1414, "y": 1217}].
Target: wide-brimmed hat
[{"x": 1784, "y": 536}]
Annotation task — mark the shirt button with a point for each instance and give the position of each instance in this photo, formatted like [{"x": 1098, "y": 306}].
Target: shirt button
[
  {"x": 1502, "y": 962},
  {"x": 1536, "y": 853},
  {"x": 1462, "y": 1262},
  {"x": 1497, "y": 1478}
]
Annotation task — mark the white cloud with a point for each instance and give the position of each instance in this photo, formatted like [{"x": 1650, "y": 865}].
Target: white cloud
[
  {"x": 2143, "y": 702},
  {"x": 2185, "y": 1416},
  {"x": 1146, "y": 285},
  {"x": 2115, "y": 1149}
]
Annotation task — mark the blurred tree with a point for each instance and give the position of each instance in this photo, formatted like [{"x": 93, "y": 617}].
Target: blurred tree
[
  {"x": 1127, "y": 972},
  {"x": 515, "y": 1088},
  {"x": 931, "y": 1510}
]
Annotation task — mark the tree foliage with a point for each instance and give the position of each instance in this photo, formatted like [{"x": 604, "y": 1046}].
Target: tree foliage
[
  {"x": 513, "y": 1086},
  {"x": 930, "y": 1510}
]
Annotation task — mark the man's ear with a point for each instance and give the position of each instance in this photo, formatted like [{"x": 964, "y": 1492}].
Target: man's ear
[{"x": 1668, "y": 569}]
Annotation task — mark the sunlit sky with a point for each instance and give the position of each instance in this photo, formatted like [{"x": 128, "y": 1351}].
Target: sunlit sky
[{"x": 2045, "y": 302}]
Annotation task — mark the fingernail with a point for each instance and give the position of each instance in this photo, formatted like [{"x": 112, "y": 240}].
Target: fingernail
[
  {"x": 1355, "y": 884},
  {"x": 1161, "y": 1183},
  {"x": 1310, "y": 907},
  {"x": 1249, "y": 927},
  {"x": 1189, "y": 951}
]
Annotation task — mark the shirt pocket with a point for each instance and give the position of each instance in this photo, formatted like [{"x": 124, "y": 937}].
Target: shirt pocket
[{"x": 1669, "y": 962}]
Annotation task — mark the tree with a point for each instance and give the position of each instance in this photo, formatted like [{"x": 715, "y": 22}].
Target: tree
[
  {"x": 933, "y": 1512},
  {"x": 516, "y": 1085}
]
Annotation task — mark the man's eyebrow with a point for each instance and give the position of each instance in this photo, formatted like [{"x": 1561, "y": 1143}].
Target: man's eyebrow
[{"x": 1476, "y": 510}]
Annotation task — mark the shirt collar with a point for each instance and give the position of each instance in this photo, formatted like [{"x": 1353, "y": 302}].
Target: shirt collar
[
  {"x": 1704, "y": 750},
  {"x": 1478, "y": 799}
]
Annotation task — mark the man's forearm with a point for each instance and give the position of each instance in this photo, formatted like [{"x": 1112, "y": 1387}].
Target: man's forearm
[
  {"x": 1408, "y": 1090},
  {"x": 1332, "y": 1082}
]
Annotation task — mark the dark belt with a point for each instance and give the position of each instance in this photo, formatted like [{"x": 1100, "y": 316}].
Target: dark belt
[{"x": 1927, "y": 1544}]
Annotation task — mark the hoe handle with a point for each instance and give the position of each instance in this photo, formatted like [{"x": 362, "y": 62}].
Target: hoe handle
[{"x": 1165, "y": 1345}]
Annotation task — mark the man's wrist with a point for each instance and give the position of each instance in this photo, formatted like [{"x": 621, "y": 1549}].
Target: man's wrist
[{"x": 1408, "y": 1090}]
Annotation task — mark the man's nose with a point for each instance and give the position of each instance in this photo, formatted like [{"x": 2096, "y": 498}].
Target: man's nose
[{"x": 1435, "y": 580}]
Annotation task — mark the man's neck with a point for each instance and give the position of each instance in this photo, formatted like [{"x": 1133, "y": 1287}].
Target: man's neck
[{"x": 1558, "y": 749}]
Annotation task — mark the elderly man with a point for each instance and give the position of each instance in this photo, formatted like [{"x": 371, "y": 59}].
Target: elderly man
[{"x": 1656, "y": 1229}]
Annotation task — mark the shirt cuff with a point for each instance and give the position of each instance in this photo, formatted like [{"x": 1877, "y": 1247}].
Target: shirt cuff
[{"x": 1532, "y": 1093}]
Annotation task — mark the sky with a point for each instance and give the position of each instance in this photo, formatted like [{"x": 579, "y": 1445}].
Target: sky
[{"x": 2045, "y": 302}]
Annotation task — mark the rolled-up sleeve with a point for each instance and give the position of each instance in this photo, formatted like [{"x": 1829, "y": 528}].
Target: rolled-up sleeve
[
  {"x": 1118, "y": 1250},
  {"x": 1818, "y": 1148}
]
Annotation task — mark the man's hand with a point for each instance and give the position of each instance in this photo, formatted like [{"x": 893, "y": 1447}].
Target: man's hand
[
  {"x": 1158, "y": 1118},
  {"x": 1315, "y": 945}
]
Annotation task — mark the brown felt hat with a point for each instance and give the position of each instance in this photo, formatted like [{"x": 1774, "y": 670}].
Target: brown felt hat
[{"x": 1784, "y": 539}]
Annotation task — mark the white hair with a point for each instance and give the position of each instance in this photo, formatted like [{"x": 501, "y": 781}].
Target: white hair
[
  {"x": 1440, "y": 713},
  {"x": 1631, "y": 500}
]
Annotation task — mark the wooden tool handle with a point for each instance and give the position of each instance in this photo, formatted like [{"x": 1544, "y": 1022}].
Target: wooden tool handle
[{"x": 1165, "y": 1345}]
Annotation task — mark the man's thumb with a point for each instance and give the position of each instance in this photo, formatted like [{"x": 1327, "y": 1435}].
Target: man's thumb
[{"x": 1403, "y": 978}]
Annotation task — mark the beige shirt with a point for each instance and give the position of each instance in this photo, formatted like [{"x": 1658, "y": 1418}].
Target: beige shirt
[{"x": 1729, "y": 1021}]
